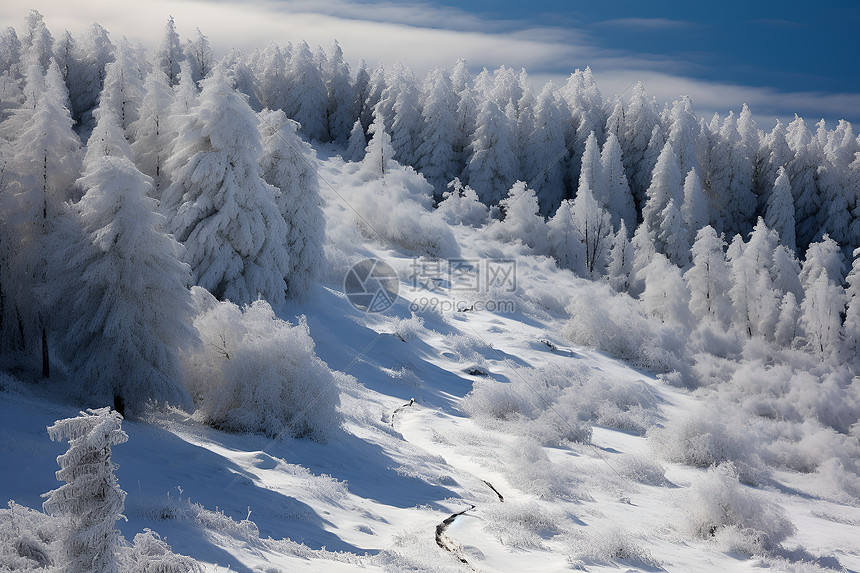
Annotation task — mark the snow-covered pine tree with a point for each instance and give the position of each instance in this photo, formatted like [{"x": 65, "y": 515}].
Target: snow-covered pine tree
[
  {"x": 491, "y": 169},
  {"x": 340, "y": 112},
  {"x": 666, "y": 185},
  {"x": 590, "y": 217},
  {"x": 220, "y": 207},
  {"x": 566, "y": 244},
  {"x": 620, "y": 266},
  {"x": 640, "y": 120},
  {"x": 169, "y": 53},
  {"x": 435, "y": 156},
  {"x": 151, "y": 138},
  {"x": 357, "y": 143},
  {"x": 111, "y": 334},
  {"x": 619, "y": 200},
  {"x": 272, "y": 86},
  {"x": 306, "y": 100},
  {"x": 45, "y": 163},
  {"x": 91, "y": 498},
  {"x": 379, "y": 154},
  {"x": 666, "y": 295},
  {"x": 674, "y": 236},
  {"x": 821, "y": 316},
  {"x": 107, "y": 138},
  {"x": 123, "y": 86},
  {"x": 544, "y": 152},
  {"x": 683, "y": 130},
  {"x": 802, "y": 170},
  {"x": 407, "y": 123},
  {"x": 780, "y": 210},
  {"x": 694, "y": 211},
  {"x": 460, "y": 206},
  {"x": 852, "y": 313},
  {"x": 199, "y": 54},
  {"x": 288, "y": 165},
  {"x": 523, "y": 221},
  {"x": 708, "y": 278}
]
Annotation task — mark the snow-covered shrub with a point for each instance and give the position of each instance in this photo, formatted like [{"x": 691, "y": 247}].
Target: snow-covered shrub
[
  {"x": 641, "y": 469},
  {"x": 29, "y": 539},
  {"x": 711, "y": 435},
  {"x": 397, "y": 210},
  {"x": 615, "y": 323},
  {"x": 559, "y": 404},
  {"x": 609, "y": 546},
  {"x": 91, "y": 500},
  {"x": 257, "y": 373},
  {"x": 151, "y": 554},
  {"x": 531, "y": 471},
  {"x": 408, "y": 328},
  {"x": 521, "y": 525},
  {"x": 460, "y": 206},
  {"x": 717, "y": 507}
]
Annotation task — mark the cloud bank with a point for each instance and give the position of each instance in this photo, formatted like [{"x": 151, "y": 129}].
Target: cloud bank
[{"x": 424, "y": 36}]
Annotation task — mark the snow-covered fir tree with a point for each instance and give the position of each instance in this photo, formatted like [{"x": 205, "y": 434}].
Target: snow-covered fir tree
[
  {"x": 379, "y": 154},
  {"x": 150, "y": 134},
  {"x": 491, "y": 167},
  {"x": 169, "y": 52},
  {"x": 288, "y": 165},
  {"x": 435, "y": 156},
  {"x": 110, "y": 334},
  {"x": 708, "y": 278},
  {"x": 780, "y": 210},
  {"x": 91, "y": 499},
  {"x": 220, "y": 207}
]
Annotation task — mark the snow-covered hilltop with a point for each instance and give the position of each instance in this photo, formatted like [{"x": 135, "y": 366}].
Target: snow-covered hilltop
[{"x": 355, "y": 320}]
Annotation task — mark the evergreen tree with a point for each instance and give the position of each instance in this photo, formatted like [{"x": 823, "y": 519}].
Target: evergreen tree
[
  {"x": 357, "y": 143},
  {"x": 111, "y": 334},
  {"x": 199, "y": 54},
  {"x": 150, "y": 134},
  {"x": 666, "y": 295},
  {"x": 107, "y": 138},
  {"x": 620, "y": 267},
  {"x": 683, "y": 130},
  {"x": 379, "y": 155},
  {"x": 852, "y": 313},
  {"x": 666, "y": 185},
  {"x": 225, "y": 213},
  {"x": 91, "y": 499},
  {"x": 708, "y": 278},
  {"x": 821, "y": 316},
  {"x": 640, "y": 120},
  {"x": 780, "y": 210},
  {"x": 123, "y": 87},
  {"x": 435, "y": 157},
  {"x": 523, "y": 221},
  {"x": 288, "y": 165},
  {"x": 272, "y": 83},
  {"x": 307, "y": 98},
  {"x": 169, "y": 54},
  {"x": 694, "y": 211},
  {"x": 590, "y": 218},
  {"x": 566, "y": 244},
  {"x": 407, "y": 126},
  {"x": 613, "y": 181},
  {"x": 44, "y": 166},
  {"x": 545, "y": 154},
  {"x": 491, "y": 170},
  {"x": 340, "y": 111},
  {"x": 802, "y": 170}
]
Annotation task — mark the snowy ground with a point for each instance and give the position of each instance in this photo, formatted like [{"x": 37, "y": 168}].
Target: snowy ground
[{"x": 380, "y": 494}]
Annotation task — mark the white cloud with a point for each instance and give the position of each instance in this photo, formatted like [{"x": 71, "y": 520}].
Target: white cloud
[{"x": 423, "y": 36}]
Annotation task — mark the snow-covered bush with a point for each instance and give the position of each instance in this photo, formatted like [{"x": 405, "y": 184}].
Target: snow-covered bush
[
  {"x": 642, "y": 469},
  {"x": 396, "y": 209},
  {"x": 617, "y": 324},
  {"x": 460, "y": 206},
  {"x": 151, "y": 554},
  {"x": 717, "y": 507},
  {"x": 257, "y": 373},
  {"x": 609, "y": 546},
  {"x": 29, "y": 539},
  {"x": 91, "y": 500},
  {"x": 711, "y": 435},
  {"x": 521, "y": 525},
  {"x": 559, "y": 404}
]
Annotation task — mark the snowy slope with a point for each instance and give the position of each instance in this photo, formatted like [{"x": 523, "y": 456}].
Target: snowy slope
[{"x": 381, "y": 494}]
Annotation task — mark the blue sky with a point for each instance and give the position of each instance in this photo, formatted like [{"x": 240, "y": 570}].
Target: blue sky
[{"x": 779, "y": 57}]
